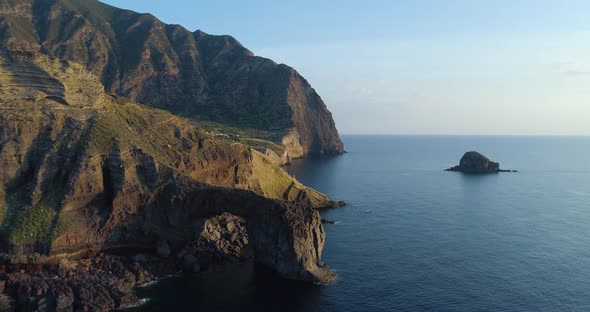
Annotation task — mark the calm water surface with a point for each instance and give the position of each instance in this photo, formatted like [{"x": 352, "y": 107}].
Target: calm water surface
[{"x": 415, "y": 238}]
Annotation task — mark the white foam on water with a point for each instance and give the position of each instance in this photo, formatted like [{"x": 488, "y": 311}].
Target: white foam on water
[
  {"x": 148, "y": 284},
  {"x": 140, "y": 302}
]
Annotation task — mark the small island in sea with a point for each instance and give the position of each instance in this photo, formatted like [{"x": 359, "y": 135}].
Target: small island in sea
[{"x": 476, "y": 163}]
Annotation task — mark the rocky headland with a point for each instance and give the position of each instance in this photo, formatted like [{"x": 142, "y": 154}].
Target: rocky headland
[
  {"x": 476, "y": 163},
  {"x": 84, "y": 172},
  {"x": 100, "y": 194}
]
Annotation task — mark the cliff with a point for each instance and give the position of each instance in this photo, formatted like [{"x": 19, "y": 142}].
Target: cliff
[
  {"x": 193, "y": 74},
  {"x": 83, "y": 171}
]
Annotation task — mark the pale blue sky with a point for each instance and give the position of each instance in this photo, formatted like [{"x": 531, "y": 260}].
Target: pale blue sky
[{"x": 419, "y": 67}]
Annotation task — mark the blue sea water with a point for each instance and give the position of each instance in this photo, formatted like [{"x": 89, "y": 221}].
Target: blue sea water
[{"x": 416, "y": 238}]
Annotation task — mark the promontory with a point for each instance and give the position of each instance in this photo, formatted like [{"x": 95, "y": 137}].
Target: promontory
[{"x": 131, "y": 149}]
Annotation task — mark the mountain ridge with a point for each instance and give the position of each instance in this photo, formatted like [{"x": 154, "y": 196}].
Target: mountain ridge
[{"x": 193, "y": 74}]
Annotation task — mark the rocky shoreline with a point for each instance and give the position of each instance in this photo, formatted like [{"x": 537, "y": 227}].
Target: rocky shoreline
[
  {"x": 101, "y": 283},
  {"x": 106, "y": 281}
]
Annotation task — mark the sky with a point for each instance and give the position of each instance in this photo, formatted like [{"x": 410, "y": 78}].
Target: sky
[{"x": 457, "y": 67}]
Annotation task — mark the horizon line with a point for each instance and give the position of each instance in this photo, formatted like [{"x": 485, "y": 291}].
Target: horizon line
[{"x": 472, "y": 135}]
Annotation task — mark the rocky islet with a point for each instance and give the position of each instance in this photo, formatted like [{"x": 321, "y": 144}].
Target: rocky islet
[{"x": 476, "y": 163}]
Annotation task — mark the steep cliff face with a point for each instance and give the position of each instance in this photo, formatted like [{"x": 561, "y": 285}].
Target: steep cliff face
[
  {"x": 83, "y": 171},
  {"x": 165, "y": 66}
]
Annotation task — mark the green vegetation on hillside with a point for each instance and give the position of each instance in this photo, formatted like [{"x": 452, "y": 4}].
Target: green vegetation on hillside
[
  {"x": 34, "y": 225},
  {"x": 255, "y": 138}
]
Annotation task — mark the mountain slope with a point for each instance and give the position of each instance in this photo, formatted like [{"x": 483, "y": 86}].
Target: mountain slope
[
  {"x": 83, "y": 171},
  {"x": 211, "y": 78}
]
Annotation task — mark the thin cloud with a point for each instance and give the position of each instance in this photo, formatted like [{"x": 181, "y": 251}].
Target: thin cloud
[
  {"x": 572, "y": 69},
  {"x": 576, "y": 72}
]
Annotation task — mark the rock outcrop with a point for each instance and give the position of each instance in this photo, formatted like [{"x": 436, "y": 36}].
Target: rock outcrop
[
  {"x": 103, "y": 283},
  {"x": 193, "y": 74},
  {"x": 476, "y": 163}
]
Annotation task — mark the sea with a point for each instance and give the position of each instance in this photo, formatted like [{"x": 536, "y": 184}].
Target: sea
[{"x": 417, "y": 238}]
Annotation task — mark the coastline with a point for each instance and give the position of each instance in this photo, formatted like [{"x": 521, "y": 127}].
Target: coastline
[{"x": 108, "y": 279}]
